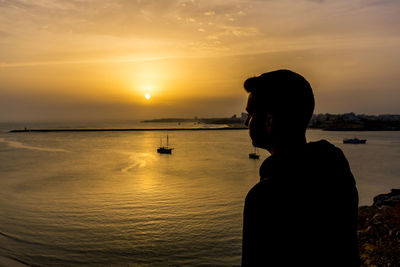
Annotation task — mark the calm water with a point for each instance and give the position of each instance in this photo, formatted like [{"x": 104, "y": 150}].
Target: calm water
[{"x": 107, "y": 198}]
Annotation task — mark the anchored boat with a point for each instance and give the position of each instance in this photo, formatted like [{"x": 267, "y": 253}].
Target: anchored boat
[
  {"x": 164, "y": 149},
  {"x": 254, "y": 155}
]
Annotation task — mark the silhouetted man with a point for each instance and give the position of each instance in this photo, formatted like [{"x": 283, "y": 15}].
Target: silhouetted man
[{"x": 303, "y": 212}]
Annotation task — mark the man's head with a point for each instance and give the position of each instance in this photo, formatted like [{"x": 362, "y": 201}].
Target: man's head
[{"x": 280, "y": 106}]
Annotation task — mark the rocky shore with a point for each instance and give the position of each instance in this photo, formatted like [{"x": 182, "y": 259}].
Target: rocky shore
[{"x": 379, "y": 231}]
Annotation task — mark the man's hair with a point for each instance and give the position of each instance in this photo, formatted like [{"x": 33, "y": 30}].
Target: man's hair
[{"x": 284, "y": 94}]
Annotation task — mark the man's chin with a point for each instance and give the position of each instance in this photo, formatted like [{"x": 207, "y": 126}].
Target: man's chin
[
  {"x": 256, "y": 144},
  {"x": 260, "y": 145}
]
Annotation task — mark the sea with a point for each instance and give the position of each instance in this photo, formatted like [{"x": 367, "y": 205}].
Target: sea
[{"x": 109, "y": 199}]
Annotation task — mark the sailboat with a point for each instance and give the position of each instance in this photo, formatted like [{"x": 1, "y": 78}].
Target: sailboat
[
  {"x": 164, "y": 149},
  {"x": 254, "y": 155}
]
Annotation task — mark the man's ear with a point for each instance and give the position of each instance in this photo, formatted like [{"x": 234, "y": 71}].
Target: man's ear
[{"x": 269, "y": 123}]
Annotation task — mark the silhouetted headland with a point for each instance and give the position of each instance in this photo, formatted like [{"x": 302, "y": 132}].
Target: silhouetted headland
[
  {"x": 234, "y": 120},
  {"x": 326, "y": 122}
]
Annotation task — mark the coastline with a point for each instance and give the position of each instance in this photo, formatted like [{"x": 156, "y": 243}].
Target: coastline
[{"x": 358, "y": 130}]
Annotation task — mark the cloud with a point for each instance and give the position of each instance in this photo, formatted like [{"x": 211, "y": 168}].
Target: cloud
[
  {"x": 4, "y": 34},
  {"x": 377, "y": 2},
  {"x": 209, "y": 13}
]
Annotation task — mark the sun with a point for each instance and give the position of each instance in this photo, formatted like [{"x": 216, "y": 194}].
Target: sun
[{"x": 147, "y": 96}]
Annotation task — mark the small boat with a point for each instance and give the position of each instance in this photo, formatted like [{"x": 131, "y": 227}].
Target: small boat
[
  {"x": 164, "y": 149},
  {"x": 254, "y": 155},
  {"x": 354, "y": 141}
]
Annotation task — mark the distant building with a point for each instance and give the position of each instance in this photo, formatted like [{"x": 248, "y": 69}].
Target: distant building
[{"x": 351, "y": 121}]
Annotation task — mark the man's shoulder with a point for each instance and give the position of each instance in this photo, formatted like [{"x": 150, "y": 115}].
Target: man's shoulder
[
  {"x": 324, "y": 150},
  {"x": 266, "y": 188},
  {"x": 322, "y": 144}
]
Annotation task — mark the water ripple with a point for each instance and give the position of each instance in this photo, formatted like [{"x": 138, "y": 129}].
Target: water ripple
[{"x": 16, "y": 144}]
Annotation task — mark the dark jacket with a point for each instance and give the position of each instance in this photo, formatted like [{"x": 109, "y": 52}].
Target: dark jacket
[{"x": 303, "y": 212}]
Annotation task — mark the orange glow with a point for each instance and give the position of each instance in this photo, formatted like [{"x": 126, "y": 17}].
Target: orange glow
[{"x": 191, "y": 58}]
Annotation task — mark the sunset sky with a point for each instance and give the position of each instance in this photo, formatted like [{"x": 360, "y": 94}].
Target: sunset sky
[{"x": 92, "y": 60}]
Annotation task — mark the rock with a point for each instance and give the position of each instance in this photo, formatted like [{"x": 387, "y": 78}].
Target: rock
[
  {"x": 379, "y": 231},
  {"x": 390, "y": 199}
]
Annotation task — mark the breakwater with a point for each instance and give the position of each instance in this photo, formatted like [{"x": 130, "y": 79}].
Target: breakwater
[{"x": 128, "y": 130}]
